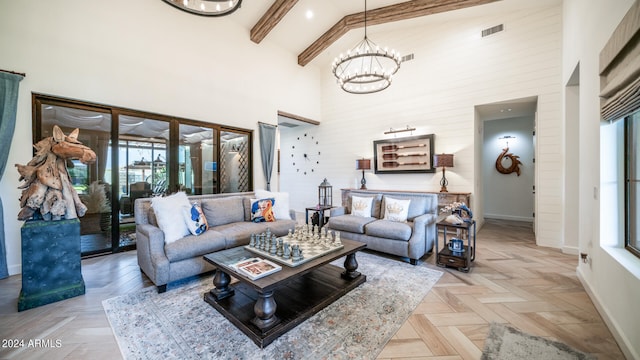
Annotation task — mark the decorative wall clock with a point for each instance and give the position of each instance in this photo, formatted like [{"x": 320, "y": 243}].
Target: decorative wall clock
[{"x": 305, "y": 155}]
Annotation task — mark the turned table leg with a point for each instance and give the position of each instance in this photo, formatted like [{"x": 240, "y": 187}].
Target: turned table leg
[
  {"x": 221, "y": 282},
  {"x": 265, "y": 310},
  {"x": 350, "y": 265}
]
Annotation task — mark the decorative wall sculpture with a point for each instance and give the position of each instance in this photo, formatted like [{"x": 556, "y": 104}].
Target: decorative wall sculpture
[{"x": 515, "y": 163}]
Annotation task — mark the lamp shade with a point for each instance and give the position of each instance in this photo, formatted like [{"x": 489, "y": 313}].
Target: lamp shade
[
  {"x": 443, "y": 160},
  {"x": 363, "y": 164}
]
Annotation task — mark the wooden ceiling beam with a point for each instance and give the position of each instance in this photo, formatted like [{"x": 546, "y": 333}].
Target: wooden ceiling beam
[
  {"x": 402, "y": 11},
  {"x": 270, "y": 19}
]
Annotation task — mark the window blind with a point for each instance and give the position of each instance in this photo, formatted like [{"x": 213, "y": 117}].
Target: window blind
[{"x": 620, "y": 68}]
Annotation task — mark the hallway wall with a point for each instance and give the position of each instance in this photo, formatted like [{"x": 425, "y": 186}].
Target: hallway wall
[{"x": 508, "y": 196}]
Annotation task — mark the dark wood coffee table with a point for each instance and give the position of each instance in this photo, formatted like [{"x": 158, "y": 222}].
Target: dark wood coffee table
[{"x": 270, "y": 306}]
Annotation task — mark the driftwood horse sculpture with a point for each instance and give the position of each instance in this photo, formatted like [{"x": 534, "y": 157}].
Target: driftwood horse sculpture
[{"x": 48, "y": 192}]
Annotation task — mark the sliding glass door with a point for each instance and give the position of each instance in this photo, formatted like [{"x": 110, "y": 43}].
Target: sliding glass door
[
  {"x": 142, "y": 168},
  {"x": 141, "y": 155},
  {"x": 197, "y": 159},
  {"x": 235, "y": 172}
]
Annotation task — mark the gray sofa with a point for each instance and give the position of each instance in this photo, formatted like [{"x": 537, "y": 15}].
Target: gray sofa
[
  {"x": 411, "y": 239},
  {"x": 228, "y": 216}
]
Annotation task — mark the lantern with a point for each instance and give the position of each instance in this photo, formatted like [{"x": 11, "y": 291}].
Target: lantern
[{"x": 325, "y": 194}]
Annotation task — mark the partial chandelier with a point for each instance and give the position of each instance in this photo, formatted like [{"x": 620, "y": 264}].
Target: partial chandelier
[
  {"x": 366, "y": 68},
  {"x": 207, "y": 7}
]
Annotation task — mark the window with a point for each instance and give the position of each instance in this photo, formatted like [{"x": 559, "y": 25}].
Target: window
[{"x": 632, "y": 179}]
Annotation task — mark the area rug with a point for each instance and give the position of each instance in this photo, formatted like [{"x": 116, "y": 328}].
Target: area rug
[
  {"x": 178, "y": 324},
  {"x": 507, "y": 343}
]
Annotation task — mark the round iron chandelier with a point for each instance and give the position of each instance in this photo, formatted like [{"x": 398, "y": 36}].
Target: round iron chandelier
[
  {"x": 366, "y": 68},
  {"x": 207, "y": 7}
]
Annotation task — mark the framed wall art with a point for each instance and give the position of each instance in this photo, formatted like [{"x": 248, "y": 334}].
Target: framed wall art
[{"x": 412, "y": 154}]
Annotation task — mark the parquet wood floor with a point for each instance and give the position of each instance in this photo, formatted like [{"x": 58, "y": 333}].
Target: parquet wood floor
[{"x": 513, "y": 281}]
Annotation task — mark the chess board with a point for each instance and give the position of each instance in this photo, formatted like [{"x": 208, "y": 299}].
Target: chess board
[{"x": 309, "y": 252}]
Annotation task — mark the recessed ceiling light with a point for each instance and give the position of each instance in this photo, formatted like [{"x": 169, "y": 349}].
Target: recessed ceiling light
[{"x": 309, "y": 14}]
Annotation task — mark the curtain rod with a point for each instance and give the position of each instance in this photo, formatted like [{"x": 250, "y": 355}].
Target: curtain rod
[
  {"x": 13, "y": 72},
  {"x": 260, "y": 122}
]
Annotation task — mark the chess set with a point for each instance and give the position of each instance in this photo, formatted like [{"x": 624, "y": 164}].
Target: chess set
[{"x": 301, "y": 245}]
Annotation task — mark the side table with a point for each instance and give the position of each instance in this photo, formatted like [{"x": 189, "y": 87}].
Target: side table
[
  {"x": 461, "y": 260},
  {"x": 320, "y": 210}
]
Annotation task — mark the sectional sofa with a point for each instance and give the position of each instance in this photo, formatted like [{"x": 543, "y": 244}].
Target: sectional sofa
[
  {"x": 410, "y": 239},
  {"x": 230, "y": 225}
]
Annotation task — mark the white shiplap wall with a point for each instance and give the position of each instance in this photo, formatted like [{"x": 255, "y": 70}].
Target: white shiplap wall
[{"x": 454, "y": 70}]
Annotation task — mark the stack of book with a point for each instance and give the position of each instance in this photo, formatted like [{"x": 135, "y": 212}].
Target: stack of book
[{"x": 255, "y": 268}]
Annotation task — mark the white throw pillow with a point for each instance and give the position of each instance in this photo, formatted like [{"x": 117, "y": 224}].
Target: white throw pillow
[
  {"x": 168, "y": 212},
  {"x": 361, "y": 206},
  {"x": 281, "y": 204},
  {"x": 396, "y": 209}
]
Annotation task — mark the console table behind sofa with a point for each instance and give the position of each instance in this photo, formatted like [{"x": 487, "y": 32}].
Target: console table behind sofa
[{"x": 444, "y": 198}]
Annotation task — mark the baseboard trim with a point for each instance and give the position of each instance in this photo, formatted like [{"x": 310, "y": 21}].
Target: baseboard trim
[
  {"x": 14, "y": 269},
  {"x": 508, "y": 217},
  {"x": 571, "y": 250},
  {"x": 621, "y": 339}
]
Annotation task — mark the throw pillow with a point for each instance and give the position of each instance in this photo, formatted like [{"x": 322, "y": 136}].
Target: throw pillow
[
  {"x": 281, "y": 205},
  {"x": 396, "y": 209},
  {"x": 262, "y": 210},
  {"x": 165, "y": 209},
  {"x": 195, "y": 220},
  {"x": 361, "y": 206}
]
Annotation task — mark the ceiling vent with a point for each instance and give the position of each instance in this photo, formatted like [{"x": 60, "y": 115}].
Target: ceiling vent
[
  {"x": 492, "y": 30},
  {"x": 407, "y": 58}
]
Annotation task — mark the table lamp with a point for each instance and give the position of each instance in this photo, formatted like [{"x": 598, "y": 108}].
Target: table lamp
[
  {"x": 444, "y": 161},
  {"x": 363, "y": 164}
]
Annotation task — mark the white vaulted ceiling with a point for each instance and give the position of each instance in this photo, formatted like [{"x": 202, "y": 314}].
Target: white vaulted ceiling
[{"x": 296, "y": 31}]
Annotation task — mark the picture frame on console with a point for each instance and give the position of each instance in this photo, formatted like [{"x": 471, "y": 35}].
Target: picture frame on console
[{"x": 413, "y": 154}]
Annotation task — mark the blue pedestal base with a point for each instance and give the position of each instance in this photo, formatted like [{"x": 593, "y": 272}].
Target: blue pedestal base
[{"x": 51, "y": 268}]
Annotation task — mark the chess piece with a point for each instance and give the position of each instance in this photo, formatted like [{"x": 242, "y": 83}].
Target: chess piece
[
  {"x": 279, "y": 251},
  {"x": 286, "y": 252},
  {"x": 289, "y": 235},
  {"x": 336, "y": 240},
  {"x": 274, "y": 246},
  {"x": 252, "y": 240},
  {"x": 268, "y": 232},
  {"x": 296, "y": 253}
]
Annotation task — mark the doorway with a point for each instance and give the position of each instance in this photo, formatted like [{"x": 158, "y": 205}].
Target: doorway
[{"x": 507, "y": 145}]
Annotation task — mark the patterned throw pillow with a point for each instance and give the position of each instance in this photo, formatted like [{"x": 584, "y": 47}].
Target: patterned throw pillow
[
  {"x": 361, "y": 206},
  {"x": 262, "y": 210},
  {"x": 195, "y": 220},
  {"x": 281, "y": 204},
  {"x": 396, "y": 209}
]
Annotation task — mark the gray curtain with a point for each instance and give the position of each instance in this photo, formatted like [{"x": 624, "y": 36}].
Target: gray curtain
[
  {"x": 267, "y": 149},
  {"x": 8, "y": 108}
]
